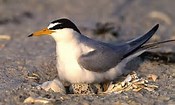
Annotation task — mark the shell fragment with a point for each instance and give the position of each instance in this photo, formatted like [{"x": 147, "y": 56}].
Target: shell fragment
[{"x": 132, "y": 82}]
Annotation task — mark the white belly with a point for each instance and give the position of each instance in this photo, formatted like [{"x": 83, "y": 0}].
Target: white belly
[{"x": 73, "y": 73}]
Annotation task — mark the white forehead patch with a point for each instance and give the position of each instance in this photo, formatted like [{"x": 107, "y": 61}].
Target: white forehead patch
[{"x": 52, "y": 25}]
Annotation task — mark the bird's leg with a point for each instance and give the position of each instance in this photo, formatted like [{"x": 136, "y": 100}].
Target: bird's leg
[{"x": 105, "y": 85}]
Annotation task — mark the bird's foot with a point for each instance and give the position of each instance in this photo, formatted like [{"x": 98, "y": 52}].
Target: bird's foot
[{"x": 54, "y": 85}]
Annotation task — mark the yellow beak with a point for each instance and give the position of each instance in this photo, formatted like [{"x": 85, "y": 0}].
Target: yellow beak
[{"x": 44, "y": 31}]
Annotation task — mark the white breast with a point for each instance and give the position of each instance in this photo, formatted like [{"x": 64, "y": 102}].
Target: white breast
[{"x": 68, "y": 67}]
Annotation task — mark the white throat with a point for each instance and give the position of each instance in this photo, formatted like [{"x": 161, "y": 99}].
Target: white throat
[{"x": 67, "y": 50}]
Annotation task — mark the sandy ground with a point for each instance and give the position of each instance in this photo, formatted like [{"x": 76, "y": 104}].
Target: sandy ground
[{"x": 21, "y": 56}]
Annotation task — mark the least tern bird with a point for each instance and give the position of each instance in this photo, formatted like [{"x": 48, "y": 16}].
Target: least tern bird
[{"x": 83, "y": 60}]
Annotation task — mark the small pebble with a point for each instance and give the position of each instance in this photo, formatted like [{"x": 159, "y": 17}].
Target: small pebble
[{"x": 5, "y": 37}]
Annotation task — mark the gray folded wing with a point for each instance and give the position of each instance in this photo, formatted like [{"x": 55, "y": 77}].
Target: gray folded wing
[
  {"x": 106, "y": 56},
  {"x": 100, "y": 60}
]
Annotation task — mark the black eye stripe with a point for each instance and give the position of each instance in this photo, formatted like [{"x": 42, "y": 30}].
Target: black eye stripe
[
  {"x": 64, "y": 23},
  {"x": 58, "y": 26}
]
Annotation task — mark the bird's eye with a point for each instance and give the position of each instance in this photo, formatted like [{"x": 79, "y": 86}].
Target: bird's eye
[{"x": 61, "y": 26}]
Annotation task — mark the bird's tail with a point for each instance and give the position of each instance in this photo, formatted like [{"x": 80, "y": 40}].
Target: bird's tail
[{"x": 136, "y": 43}]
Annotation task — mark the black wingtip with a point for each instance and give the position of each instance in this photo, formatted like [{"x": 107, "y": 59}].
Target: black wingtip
[
  {"x": 136, "y": 43},
  {"x": 30, "y": 35},
  {"x": 156, "y": 27}
]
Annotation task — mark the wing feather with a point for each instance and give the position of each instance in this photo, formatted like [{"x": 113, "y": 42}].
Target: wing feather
[{"x": 106, "y": 56}]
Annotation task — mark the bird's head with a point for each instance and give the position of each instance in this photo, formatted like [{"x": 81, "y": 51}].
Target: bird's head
[{"x": 58, "y": 29}]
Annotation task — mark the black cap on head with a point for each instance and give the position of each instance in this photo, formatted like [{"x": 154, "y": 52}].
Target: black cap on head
[{"x": 64, "y": 23}]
